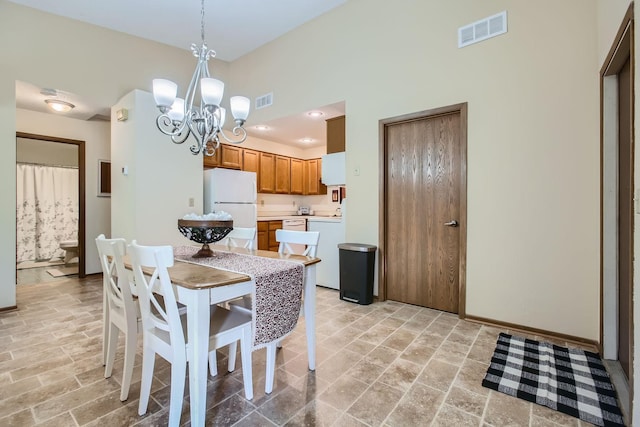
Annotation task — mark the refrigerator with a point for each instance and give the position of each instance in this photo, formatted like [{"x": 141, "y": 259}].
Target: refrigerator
[{"x": 234, "y": 192}]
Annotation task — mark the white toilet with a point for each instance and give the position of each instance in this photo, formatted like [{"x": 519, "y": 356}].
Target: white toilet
[{"x": 70, "y": 248}]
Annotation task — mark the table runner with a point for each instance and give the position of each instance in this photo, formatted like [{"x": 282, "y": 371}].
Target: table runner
[{"x": 278, "y": 293}]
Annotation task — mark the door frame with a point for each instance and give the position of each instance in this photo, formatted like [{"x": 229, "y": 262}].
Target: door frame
[
  {"x": 382, "y": 212},
  {"x": 622, "y": 47},
  {"x": 81, "y": 191}
]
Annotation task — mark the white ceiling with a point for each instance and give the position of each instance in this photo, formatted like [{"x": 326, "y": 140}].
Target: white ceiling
[{"x": 251, "y": 22}]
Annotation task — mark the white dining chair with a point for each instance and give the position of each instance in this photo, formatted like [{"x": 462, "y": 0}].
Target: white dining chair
[
  {"x": 121, "y": 311},
  {"x": 285, "y": 238},
  {"x": 164, "y": 330},
  {"x": 240, "y": 237}
]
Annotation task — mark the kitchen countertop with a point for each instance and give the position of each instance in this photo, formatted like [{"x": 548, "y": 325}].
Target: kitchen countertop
[{"x": 309, "y": 218}]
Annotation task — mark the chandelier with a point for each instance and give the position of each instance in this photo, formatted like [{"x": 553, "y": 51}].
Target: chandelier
[{"x": 181, "y": 117}]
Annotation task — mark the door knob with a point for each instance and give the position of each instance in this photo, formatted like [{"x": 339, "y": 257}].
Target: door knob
[{"x": 452, "y": 223}]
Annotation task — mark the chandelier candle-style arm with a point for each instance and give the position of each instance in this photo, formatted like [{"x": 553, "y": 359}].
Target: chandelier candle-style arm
[{"x": 181, "y": 117}]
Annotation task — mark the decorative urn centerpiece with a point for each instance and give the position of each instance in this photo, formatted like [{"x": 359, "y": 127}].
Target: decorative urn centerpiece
[{"x": 205, "y": 229}]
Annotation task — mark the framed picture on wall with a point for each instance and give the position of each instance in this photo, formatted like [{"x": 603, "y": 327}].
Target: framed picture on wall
[{"x": 104, "y": 178}]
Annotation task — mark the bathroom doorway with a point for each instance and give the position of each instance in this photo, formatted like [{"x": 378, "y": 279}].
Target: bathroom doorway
[{"x": 50, "y": 208}]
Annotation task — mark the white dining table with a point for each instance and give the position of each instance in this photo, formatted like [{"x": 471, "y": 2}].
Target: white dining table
[{"x": 198, "y": 286}]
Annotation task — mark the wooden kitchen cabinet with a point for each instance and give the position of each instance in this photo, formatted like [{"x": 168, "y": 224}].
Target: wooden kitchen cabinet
[
  {"x": 209, "y": 162},
  {"x": 274, "y": 173},
  {"x": 267, "y": 176},
  {"x": 273, "y": 243},
  {"x": 231, "y": 156},
  {"x": 312, "y": 183},
  {"x": 267, "y": 235},
  {"x": 335, "y": 135},
  {"x": 251, "y": 161},
  {"x": 283, "y": 174},
  {"x": 226, "y": 156},
  {"x": 263, "y": 235},
  {"x": 297, "y": 176}
]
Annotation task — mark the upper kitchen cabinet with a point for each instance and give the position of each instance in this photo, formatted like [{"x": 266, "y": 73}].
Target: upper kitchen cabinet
[
  {"x": 209, "y": 162},
  {"x": 283, "y": 174},
  {"x": 267, "y": 176},
  {"x": 312, "y": 182},
  {"x": 335, "y": 135},
  {"x": 226, "y": 156},
  {"x": 297, "y": 176},
  {"x": 250, "y": 160},
  {"x": 231, "y": 157}
]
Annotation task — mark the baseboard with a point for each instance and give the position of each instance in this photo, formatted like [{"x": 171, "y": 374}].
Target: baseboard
[
  {"x": 535, "y": 331},
  {"x": 10, "y": 308}
]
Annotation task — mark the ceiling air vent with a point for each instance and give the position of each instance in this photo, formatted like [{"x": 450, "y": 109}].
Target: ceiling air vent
[
  {"x": 482, "y": 29},
  {"x": 264, "y": 101}
]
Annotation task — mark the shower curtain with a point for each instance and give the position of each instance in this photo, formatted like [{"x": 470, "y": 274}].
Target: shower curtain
[{"x": 47, "y": 210}]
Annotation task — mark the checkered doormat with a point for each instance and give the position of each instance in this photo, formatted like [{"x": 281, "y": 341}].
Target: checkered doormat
[{"x": 571, "y": 381}]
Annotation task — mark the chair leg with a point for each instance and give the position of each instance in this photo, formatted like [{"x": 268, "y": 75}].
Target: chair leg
[
  {"x": 245, "y": 357},
  {"x": 148, "y": 361},
  {"x": 178, "y": 375},
  {"x": 271, "y": 367},
  {"x": 105, "y": 328},
  {"x": 213, "y": 363},
  {"x": 129, "y": 357},
  {"x": 112, "y": 346},
  {"x": 233, "y": 348}
]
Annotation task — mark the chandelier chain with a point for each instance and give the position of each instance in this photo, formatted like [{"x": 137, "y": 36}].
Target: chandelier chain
[{"x": 202, "y": 22}]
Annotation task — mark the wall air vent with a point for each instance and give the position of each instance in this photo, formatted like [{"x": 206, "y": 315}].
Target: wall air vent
[
  {"x": 482, "y": 29},
  {"x": 264, "y": 101}
]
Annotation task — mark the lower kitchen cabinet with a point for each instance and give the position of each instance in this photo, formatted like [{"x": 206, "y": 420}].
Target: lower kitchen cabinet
[{"x": 267, "y": 235}]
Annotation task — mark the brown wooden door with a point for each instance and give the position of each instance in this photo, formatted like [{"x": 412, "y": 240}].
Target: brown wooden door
[
  {"x": 424, "y": 216},
  {"x": 625, "y": 218}
]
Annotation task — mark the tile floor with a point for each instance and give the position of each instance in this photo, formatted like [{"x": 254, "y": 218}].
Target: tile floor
[{"x": 386, "y": 364}]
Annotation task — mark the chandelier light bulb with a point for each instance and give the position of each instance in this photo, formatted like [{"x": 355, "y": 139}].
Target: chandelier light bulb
[
  {"x": 177, "y": 110},
  {"x": 240, "y": 107},
  {"x": 164, "y": 92},
  {"x": 212, "y": 91}
]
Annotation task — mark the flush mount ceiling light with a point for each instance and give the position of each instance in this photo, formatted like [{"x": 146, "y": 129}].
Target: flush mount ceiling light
[
  {"x": 180, "y": 118},
  {"x": 306, "y": 140},
  {"x": 262, "y": 127},
  {"x": 315, "y": 114},
  {"x": 59, "y": 105}
]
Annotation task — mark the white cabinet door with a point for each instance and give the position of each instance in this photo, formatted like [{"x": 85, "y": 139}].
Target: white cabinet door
[{"x": 334, "y": 169}]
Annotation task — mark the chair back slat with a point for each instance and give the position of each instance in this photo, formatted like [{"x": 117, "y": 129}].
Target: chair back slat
[
  {"x": 240, "y": 237},
  {"x": 117, "y": 281},
  {"x": 157, "y": 313},
  {"x": 289, "y": 237}
]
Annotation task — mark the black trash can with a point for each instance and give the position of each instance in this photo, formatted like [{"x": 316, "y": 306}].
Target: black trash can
[{"x": 357, "y": 261}]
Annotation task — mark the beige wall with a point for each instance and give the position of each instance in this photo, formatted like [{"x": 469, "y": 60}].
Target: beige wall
[
  {"x": 50, "y": 153},
  {"x": 532, "y": 134},
  {"x": 97, "y": 146},
  {"x": 162, "y": 176}
]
